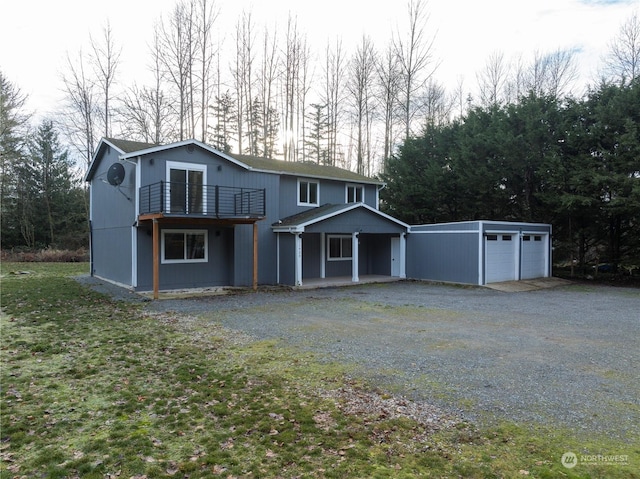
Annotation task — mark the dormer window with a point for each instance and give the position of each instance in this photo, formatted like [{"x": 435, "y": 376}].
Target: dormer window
[
  {"x": 355, "y": 194},
  {"x": 308, "y": 193}
]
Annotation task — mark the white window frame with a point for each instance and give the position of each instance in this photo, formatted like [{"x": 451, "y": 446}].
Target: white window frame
[
  {"x": 179, "y": 165},
  {"x": 342, "y": 238},
  {"x": 308, "y": 182},
  {"x": 355, "y": 188},
  {"x": 205, "y": 233}
]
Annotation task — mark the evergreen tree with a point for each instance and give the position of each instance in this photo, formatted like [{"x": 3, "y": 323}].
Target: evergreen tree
[{"x": 13, "y": 134}]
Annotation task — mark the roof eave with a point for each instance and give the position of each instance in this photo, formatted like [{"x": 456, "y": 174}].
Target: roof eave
[
  {"x": 204, "y": 146},
  {"x": 316, "y": 177},
  {"x": 94, "y": 163}
]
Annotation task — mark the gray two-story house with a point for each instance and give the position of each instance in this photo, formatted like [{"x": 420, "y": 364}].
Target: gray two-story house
[{"x": 185, "y": 215}]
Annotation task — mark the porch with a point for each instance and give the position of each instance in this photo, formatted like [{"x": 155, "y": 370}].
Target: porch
[
  {"x": 339, "y": 281},
  {"x": 339, "y": 244}
]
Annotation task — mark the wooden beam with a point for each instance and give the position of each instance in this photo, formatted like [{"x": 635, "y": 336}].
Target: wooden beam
[
  {"x": 156, "y": 258},
  {"x": 255, "y": 256}
]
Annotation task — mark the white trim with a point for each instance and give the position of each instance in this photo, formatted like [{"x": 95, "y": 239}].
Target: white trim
[
  {"x": 323, "y": 255},
  {"x": 134, "y": 232},
  {"x": 355, "y": 186},
  {"x": 341, "y": 237},
  {"x": 481, "y": 257},
  {"x": 134, "y": 256},
  {"x": 443, "y": 231},
  {"x": 277, "y": 258},
  {"x": 117, "y": 283},
  {"x": 403, "y": 255},
  {"x": 355, "y": 263},
  {"x": 308, "y": 182},
  {"x": 185, "y": 232},
  {"x": 159, "y": 148},
  {"x": 179, "y": 165},
  {"x": 298, "y": 259},
  {"x": 481, "y": 222}
]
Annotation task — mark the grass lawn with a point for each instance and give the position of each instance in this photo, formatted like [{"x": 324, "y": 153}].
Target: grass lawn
[{"x": 96, "y": 388}]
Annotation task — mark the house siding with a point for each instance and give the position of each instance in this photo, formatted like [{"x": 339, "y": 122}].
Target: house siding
[
  {"x": 220, "y": 171},
  {"x": 355, "y": 221},
  {"x": 111, "y": 222},
  {"x": 217, "y": 271},
  {"x": 287, "y": 258}
]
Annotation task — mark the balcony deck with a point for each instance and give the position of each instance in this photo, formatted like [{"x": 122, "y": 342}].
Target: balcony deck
[{"x": 201, "y": 203}]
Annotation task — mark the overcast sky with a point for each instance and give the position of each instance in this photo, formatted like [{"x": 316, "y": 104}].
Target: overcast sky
[{"x": 35, "y": 36}]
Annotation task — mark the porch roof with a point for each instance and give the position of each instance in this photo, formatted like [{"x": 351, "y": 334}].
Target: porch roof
[{"x": 297, "y": 223}]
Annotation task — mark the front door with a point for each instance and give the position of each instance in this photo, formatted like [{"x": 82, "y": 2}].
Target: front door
[{"x": 395, "y": 256}]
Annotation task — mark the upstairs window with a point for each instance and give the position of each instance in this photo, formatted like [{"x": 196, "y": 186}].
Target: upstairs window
[
  {"x": 308, "y": 193},
  {"x": 185, "y": 184},
  {"x": 355, "y": 194}
]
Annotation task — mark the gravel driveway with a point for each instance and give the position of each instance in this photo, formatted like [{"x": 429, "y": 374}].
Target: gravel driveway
[{"x": 566, "y": 356}]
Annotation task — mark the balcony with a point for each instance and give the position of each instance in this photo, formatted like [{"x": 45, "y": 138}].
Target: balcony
[{"x": 203, "y": 201}]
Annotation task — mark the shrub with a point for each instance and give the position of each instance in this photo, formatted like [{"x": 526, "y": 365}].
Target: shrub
[{"x": 47, "y": 255}]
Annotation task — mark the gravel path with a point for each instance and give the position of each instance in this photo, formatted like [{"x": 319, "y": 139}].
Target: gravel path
[{"x": 566, "y": 356}]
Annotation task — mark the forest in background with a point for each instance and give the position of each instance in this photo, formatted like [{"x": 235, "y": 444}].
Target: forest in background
[{"x": 374, "y": 111}]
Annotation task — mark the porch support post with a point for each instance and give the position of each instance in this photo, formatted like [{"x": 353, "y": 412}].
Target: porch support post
[
  {"x": 354, "y": 258},
  {"x": 403, "y": 255},
  {"x": 156, "y": 258},
  {"x": 298, "y": 259},
  {"x": 255, "y": 256},
  {"x": 323, "y": 253}
]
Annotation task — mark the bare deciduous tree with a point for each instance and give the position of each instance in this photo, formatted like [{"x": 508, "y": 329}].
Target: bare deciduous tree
[
  {"x": 243, "y": 82},
  {"x": 492, "y": 80},
  {"x": 415, "y": 56},
  {"x": 437, "y": 104},
  {"x": 176, "y": 48},
  {"x": 360, "y": 89},
  {"x": 79, "y": 118},
  {"x": 267, "y": 94},
  {"x": 623, "y": 58},
  {"x": 389, "y": 87},
  {"x": 206, "y": 16},
  {"x": 333, "y": 91},
  {"x": 105, "y": 59}
]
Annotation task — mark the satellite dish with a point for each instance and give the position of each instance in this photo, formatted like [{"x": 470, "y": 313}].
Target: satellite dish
[{"x": 115, "y": 174}]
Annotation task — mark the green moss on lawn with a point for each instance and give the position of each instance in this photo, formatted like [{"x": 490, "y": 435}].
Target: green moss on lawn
[{"x": 96, "y": 388}]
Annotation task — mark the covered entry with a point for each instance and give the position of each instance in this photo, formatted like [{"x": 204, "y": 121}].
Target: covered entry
[{"x": 339, "y": 241}]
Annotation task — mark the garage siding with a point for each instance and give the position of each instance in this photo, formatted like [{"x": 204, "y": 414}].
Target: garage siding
[
  {"x": 443, "y": 256},
  {"x": 479, "y": 252}
]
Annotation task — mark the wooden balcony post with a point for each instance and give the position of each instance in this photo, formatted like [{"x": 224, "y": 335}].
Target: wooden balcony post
[{"x": 255, "y": 256}]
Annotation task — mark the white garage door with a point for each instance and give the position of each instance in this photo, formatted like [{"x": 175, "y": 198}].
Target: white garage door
[
  {"x": 534, "y": 249},
  {"x": 501, "y": 257}
]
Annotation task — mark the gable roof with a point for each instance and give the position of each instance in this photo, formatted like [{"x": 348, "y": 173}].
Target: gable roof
[
  {"x": 309, "y": 169},
  {"x": 121, "y": 146},
  {"x": 298, "y": 222},
  {"x": 127, "y": 146},
  {"x": 132, "y": 149}
]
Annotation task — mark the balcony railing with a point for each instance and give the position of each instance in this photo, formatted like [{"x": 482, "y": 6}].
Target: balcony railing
[{"x": 171, "y": 198}]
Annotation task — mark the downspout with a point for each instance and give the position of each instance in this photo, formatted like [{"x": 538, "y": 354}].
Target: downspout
[
  {"x": 378, "y": 190},
  {"x": 90, "y": 248}
]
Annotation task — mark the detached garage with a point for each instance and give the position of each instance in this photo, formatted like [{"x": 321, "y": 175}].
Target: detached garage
[{"x": 479, "y": 252}]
